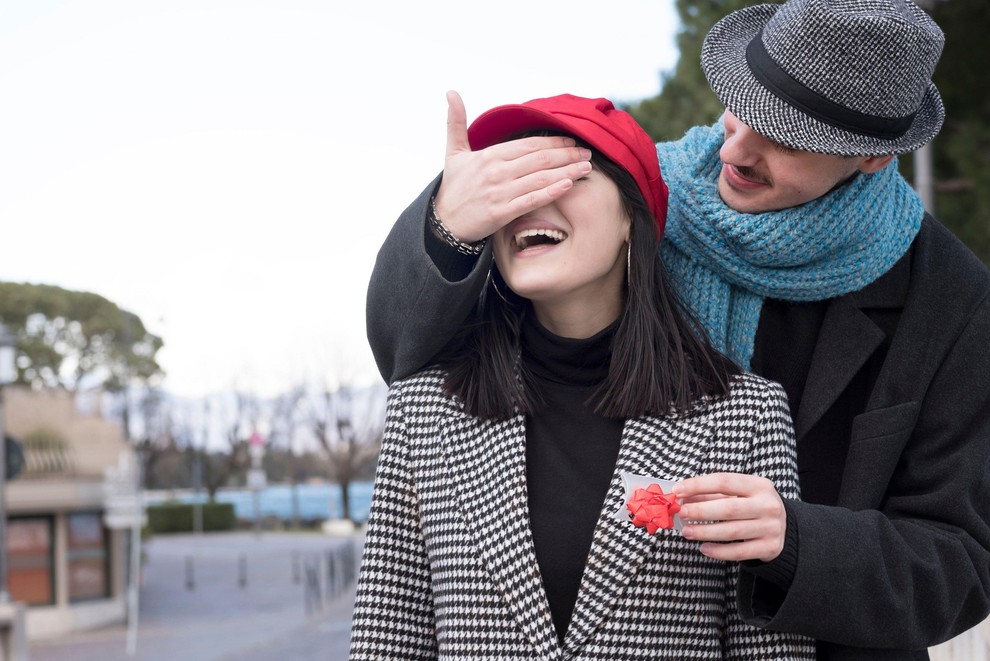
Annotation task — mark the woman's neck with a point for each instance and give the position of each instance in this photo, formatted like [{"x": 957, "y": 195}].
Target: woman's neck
[{"x": 578, "y": 318}]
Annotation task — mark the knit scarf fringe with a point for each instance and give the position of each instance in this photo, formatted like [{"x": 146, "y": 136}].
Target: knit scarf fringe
[{"x": 724, "y": 263}]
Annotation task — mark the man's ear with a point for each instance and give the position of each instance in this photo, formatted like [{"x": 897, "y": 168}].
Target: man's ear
[{"x": 871, "y": 164}]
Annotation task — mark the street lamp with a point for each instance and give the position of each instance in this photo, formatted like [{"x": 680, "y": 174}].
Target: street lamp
[{"x": 8, "y": 374}]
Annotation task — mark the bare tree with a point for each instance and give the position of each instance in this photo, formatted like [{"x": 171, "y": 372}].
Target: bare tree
[
  {"x": 285, "y": 420},
  {"x": 158, "y": 434},
  {"x": 349, "y": 428},
  {"x": 219, "y": 466}
]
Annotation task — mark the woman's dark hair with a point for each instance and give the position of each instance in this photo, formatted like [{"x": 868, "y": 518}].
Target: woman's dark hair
[{"x": 661, "y": 360}]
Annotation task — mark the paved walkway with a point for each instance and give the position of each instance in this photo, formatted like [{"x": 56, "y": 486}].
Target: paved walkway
[
  {"x": 268, "y": 618},
  {"x": 275, "y": 615}
]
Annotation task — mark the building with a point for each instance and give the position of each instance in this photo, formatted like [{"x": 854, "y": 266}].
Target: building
[{"x": 68, "y": 512}]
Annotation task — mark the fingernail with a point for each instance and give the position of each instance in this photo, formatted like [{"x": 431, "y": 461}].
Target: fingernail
[{"x": 585, "y": 154}]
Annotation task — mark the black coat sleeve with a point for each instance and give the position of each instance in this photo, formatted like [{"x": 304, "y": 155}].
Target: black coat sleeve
[
  {"x": 412, "y": 308},
  {"x": 914, "y": 570}
]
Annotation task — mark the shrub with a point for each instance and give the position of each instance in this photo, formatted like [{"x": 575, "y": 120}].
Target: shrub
[{"x": 178, "y": 517}]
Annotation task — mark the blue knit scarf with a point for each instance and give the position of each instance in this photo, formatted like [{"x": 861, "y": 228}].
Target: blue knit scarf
[{"x": 724, "y": 263}]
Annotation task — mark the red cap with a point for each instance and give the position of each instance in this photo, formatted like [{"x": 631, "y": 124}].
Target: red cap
[{"x": 612, "y": 132}]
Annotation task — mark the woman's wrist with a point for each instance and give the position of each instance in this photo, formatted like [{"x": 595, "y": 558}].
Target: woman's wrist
[{"x": 445, "y": 235}]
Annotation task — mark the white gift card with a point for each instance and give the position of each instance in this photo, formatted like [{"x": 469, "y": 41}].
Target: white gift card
[{"x": 631, "y": 482}]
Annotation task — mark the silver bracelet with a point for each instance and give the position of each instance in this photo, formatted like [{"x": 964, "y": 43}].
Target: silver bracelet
[{"x": 444, "y": 234}]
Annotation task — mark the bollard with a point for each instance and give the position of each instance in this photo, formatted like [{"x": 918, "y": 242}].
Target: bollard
[
  {"x": 296, "y": 569},
  {"x": 242, "y": 570},
  {"x": 308, "y": 589},
  {"x": 190, "y": 578},
  {"x": 311, "y": 591},
  {"x": 331, "y": 575},
  {"x": 349, "y": 563}
]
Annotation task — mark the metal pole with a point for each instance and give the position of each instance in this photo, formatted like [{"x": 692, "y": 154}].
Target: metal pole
[
  {"x": 132, "y": 589},
  {"x": 4, "y": 592},
  {"x": 198, "y": 469},
  {"x": 294, "y": 481},
  {"x": 198, "y": 504},
  {"x": 924, "y": 177},
  {"x": 256, "y": 476},
  {"x": 256, "y": 495},
  {"x": 296, "y": 517}
]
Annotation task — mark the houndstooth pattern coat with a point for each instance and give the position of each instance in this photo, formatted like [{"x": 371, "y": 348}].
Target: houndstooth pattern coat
[{"x": 449, "y": 569}]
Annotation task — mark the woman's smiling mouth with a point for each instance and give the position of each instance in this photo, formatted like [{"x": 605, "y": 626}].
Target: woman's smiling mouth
[{"x": 530, "y": 238}]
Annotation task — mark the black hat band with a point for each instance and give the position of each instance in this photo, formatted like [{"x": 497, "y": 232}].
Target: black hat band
[{"x": 789, "y": 90}]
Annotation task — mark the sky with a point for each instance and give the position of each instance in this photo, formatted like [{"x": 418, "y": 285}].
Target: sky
[{"x": 227, "y": 170}]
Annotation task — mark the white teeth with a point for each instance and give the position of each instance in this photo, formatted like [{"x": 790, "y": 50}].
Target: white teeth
[{"x": 556, "y": 235}]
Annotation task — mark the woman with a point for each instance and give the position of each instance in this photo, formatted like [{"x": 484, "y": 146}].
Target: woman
[{"x": 494, "y": 530}]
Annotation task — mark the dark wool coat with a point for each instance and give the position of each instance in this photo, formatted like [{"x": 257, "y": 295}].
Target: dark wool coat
[
  {"x": 901, "y": 559},
  {"x": 899, "y": 384},
  {"x": 450, "y": 569}
]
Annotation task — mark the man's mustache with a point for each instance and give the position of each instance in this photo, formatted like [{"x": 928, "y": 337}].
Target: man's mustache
[{"x": 753, "y": 174}]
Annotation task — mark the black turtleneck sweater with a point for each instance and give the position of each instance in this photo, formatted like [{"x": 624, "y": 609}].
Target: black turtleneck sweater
[{"x": 570, "y": 456}]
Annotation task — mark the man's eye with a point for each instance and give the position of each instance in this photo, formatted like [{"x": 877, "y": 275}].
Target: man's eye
[{"x": 784, "y": 149}]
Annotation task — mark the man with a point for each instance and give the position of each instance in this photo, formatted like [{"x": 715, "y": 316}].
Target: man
[{"x": 808, "y": 260}]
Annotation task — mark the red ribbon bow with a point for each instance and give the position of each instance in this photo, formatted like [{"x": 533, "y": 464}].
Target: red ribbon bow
[{"x": 652, "y": 508}]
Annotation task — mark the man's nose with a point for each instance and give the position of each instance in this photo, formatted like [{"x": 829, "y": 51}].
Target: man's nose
[{"x": 743, "y": 145}]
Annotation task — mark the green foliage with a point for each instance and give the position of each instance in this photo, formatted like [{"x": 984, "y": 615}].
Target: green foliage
[
  {"x": 178, "y": 517},
  {"x": 67, "y": 336},
  {"x": 962, "y": 149},
  {"x": 685, "y": 99}
]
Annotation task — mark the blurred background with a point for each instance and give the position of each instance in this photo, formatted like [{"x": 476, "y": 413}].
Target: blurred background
[{"x": 192, "y": 197}]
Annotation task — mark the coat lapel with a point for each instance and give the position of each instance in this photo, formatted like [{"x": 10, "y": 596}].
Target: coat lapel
[
  {"x": 487, "y": 466},
  {"x": 847, "y": 339},
  {"x": 892, "y": 409},
  {"x": 667, "y": 448}
]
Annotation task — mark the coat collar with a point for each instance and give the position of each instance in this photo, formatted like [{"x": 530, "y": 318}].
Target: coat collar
[
  {"x": 847, "y": 339},
  {"x": 487, "y": 466},
  {"x": 667, "y": 448}
]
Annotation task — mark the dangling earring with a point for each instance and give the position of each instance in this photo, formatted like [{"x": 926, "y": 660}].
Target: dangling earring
[
  {"x": 491, "y": 279},
  {"x": 629, "y": 263}
]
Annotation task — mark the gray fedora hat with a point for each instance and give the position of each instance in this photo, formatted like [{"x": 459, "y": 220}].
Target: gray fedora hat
[{"x": 848, "y": 77}]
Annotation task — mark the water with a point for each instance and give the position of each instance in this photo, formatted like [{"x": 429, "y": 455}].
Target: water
[{"x": 316, "y": 501}]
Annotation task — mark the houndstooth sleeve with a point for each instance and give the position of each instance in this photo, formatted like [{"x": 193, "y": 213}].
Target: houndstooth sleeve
[
  {"x": 772, "y": 455},
  {"x": 393, "y": 611}
]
